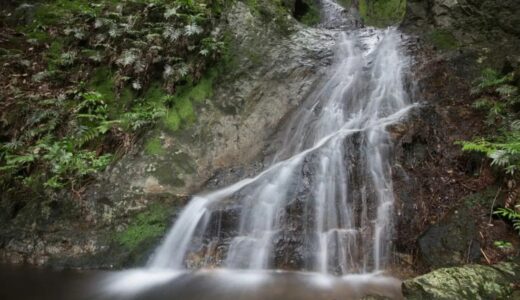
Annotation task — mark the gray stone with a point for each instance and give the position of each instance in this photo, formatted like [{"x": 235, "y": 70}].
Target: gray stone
[
  {"x": 450, "y": 242},
  {"x": 467, "y": 282}
]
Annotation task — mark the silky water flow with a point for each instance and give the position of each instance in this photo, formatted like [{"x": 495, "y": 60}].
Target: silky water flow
[{"x": 325, "y": 201}]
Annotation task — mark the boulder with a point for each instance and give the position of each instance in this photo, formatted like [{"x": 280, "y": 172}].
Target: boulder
[
  {"x": 450, "y": 242},
  {"x": 466, "y": 282}
]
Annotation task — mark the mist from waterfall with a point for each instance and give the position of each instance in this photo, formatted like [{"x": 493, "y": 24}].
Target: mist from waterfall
[{"x": 329, "y": 184}]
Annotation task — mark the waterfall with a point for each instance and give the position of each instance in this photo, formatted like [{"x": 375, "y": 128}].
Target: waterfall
[
  {"x": 334, "y": 162},
  {"x": 325, "y": 201}
]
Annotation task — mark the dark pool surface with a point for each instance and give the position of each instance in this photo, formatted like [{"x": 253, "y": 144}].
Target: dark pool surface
[{"x": 25, "y": 283}]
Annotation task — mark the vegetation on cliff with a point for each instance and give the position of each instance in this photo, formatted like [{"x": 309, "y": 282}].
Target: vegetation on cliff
[
  {"x": 83, "y": 80},
  {"x": 382, "y": 13},
  {"x": 498, "y": 97}
]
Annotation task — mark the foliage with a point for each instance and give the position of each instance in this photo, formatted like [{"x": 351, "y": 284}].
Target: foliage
[
  {"x": 382, "y": 13},
  {"x": 100, "y": 73},
  {"x": 503, "y": 244},
  {"x": 511, "y": 215},
  {"x": 44, "y": 154},
  {"x": 443, "y": 39},
  {"x": 154, "y": 146},
  {"x": 500, "y": 100}
]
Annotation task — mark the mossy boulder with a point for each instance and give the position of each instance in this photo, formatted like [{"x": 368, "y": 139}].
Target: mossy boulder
[{"x": 467, "y": 282}]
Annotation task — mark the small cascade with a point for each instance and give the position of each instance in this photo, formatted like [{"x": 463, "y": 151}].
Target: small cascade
[{"x": 325, "y": 202}]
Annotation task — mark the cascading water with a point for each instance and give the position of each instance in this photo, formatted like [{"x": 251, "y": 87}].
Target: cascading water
[{"x": 326, "y": 198}]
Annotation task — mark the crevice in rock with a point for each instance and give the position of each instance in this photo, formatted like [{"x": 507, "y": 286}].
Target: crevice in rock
[{"x": 301, "y": 8}]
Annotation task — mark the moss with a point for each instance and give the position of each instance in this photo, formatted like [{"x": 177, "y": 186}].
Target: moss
[
  {"x": 382, "y": 13},
  {"x": 443, "y": 39},
  {"x": 126, "y": 96},
  {"x": 154, "y": 146},
  {"x": 172, "y": 121},
  {"x": 182, "y": 110},
  {"x": 147, "y": 225},
  {"x": 185, "y": 110},
  {"x": 466, "y": 282},
  {"x": 253, "y": 5},
  {"x": 270, "y": 11},
  {"x": 199, "y": 92},
  {"x": 155, "y": 94}
]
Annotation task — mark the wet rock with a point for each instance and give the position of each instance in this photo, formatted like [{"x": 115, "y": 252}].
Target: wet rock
[
  {"x": 275, "y": 64},
  {"x": 466, "y": 282},
  {"x": 289, "y": 250},
  {"x": 224, "y": 222},
  {"x": 452, "y": 241}
]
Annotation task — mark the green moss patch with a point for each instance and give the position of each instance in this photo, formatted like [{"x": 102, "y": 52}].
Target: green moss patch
[
  {"x": 182, "y": 109},
  {"x": 147, "y": 225},
  {"x": 382, "y": 13},
  {"x": 154, "y": 146},
  {"x": 155, "y": 94},
  {"x": 443, "y": 39}
]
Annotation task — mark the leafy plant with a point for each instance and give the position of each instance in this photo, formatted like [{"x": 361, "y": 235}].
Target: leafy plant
[
  {"x": 499, "y": 99},
  {"x": 490, "y": 78},
  {"x": 100, "y": 72},
  {"x": 143, "y": 115},
  {"x": 503, "y": 244},
  {"x": 511, "y": 215}
]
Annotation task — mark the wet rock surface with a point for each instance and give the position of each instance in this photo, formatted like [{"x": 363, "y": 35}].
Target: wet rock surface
[{"x": 273, "y": 68}]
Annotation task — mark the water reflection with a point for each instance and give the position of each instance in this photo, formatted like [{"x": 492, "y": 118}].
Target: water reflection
[{"x": 25, "y": 284}]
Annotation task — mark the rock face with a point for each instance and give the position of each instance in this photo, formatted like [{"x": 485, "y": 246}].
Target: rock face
[
  {"x": 442, "y": 196},
  {"x": 468, "y": 282},
  {"x": 273, "y": 64},
  {"x": 452, "y": 241},
  {"x": 483, "y": 23},
  {"x": 454, "y": 41}
]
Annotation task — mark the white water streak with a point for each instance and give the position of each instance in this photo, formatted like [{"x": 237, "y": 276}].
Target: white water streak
[{"x": 350, "y": 201}]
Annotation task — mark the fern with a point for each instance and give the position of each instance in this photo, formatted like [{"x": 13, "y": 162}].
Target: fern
[
  {"x": 506, "y": 90},
  {"x": 504, "y": 153},
  {"x": 143, "y": 115},
  {"x": 128, "y": 57},
  {"x": 499, "y": 99},
  {"x": 511, "y": 215},
  {"x": 192, "y": 29},
  {"x": 171, "y": 33},
  {"x": 171, "y": 12},
  {"x": 491, "y": 78}
]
